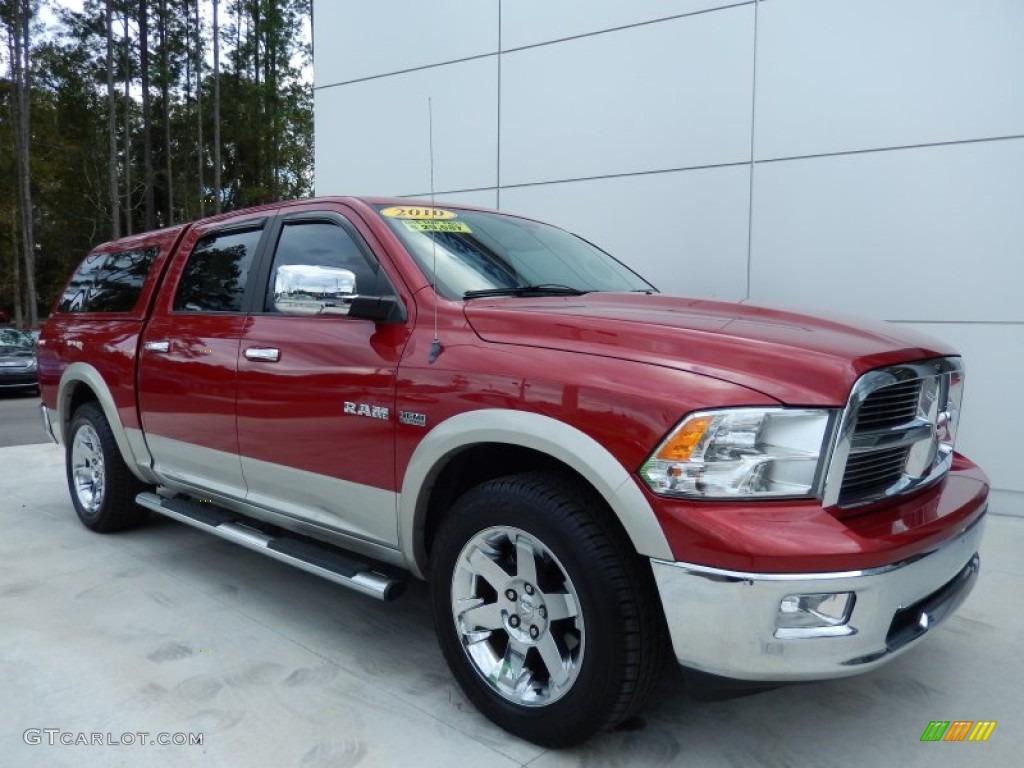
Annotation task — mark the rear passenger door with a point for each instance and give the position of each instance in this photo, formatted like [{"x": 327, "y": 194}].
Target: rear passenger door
[
  {"x": 188, "y": 360},
  {"x": 316, "y": 394}
]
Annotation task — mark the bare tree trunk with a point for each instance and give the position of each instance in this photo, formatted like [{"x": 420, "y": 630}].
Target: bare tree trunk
[
  {"x": 115, "y": 203},
  {"x": 270, "y": 52},
  {"x": 149, "y": 212},
  {"x": 258, "y": 101},
  {"x": 239, "y": 105},
  {"x": 24, "y": 99},
  {"x": 166, "y": 97},
  {"x": 128, "y": 206},
  {"x": 199, "y": 112},
  {"x": 216, "y": 109},
  {"x": 201, "y": 150},
  {"x": 19, "y": 314},
  {"x": 186, "y": 6}
]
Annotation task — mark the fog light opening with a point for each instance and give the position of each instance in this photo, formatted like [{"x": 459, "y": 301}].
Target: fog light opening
[{"x": 830, "y": 609}]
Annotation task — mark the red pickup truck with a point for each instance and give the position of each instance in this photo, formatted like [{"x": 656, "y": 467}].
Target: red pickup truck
[{"x": 588, "y": 472}]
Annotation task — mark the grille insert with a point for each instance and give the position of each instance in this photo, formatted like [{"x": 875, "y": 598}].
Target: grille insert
[
  {"x": 889, "y": 407},
  {"x": 868, "y": 473}
]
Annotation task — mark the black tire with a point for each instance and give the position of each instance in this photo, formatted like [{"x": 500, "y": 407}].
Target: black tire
[
  {"x": 610, "y": 650},
  {"x": 102, "y": 487}
]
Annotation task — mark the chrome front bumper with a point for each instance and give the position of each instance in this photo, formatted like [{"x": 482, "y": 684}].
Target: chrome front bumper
[{"x": 724, "y": 622}]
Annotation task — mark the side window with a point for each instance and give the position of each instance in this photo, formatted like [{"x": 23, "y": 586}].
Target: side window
[
  {"x": 216, "y": 271},
  {"x": 76, "y": 295},
  {"x": 321, "y": 244},
  {"x": 119, "y": 283}
]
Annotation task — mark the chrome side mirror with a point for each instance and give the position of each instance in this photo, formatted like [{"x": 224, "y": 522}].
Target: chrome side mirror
[{"x": 306, "y": 289}]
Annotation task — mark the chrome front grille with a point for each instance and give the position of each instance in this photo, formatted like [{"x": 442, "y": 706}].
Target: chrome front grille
[
  {"x": 889, "y": 406},
  {"x": 867, "y": 473},
  {"x": 896, "y": 433}
]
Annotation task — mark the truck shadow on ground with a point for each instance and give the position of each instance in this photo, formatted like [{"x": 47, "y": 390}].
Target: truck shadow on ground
[{"x": 392, "y": 648}]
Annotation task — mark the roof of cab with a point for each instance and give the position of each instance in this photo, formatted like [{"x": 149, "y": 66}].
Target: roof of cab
[{"x": 173, "y": 232}]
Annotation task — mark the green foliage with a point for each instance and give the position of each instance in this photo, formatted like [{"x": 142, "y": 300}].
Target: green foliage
[{"x": 266, "y": 124}]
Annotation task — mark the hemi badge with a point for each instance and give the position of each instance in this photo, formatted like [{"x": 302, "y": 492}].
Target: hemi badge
[{"x": 412, "y": 419}]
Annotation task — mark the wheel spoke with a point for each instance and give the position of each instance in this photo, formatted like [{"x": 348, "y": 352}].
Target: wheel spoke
[
  {"x": 487, "y": 616},
  {"x": 560, "y": 606},
  {"x": 552, "y": 658},
  {"x": 503, "y": 617},
  {"x": 87, "y": 468},
  {"x": 526, "y": 560},
  {"x": 509, "y": 671},
  {"x": 86, "y": 448},
  {"x": 481, "y": 564}
]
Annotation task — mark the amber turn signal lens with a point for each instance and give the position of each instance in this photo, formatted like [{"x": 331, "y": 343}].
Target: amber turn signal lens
[{"x": 681, "y": 444}]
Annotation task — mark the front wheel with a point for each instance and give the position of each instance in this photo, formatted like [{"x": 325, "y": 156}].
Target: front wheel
[
  {"x": 543, "y": 611},
  {"x": 102, "y": 487}
]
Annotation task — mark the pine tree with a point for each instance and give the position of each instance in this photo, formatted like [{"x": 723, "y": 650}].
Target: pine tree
[{"x": 180, "y": 110}]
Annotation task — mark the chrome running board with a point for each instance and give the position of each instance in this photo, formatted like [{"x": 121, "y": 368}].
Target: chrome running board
[{"x": 312, "y": 557}]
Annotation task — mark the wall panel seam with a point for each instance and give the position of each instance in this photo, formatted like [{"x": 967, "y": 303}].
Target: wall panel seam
[
  {"x": 628, "y": 174},
  {"x": 646, "y": 23},
  {"x": 753, "y": 161},
  {"x": 440, "y": 192},
  {"x": 959, "y": 322},
  {"x": 404, "y": 71},
  {"x": 622, "y": 175},
  {"x": 869, "y": 150},
  {"x": 497, "y": 172}
]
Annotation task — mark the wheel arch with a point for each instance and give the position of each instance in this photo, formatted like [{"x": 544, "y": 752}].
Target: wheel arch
[
  {"x": 82, "y": 383},
  {"x": 515, "y": 441}
]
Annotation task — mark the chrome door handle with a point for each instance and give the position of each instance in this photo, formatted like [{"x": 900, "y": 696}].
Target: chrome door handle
[
  {"x": 263, "y": 354},
  {"x": 157, "y": 346}
]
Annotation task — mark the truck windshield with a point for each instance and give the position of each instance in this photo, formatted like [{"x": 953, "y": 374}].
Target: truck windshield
[{"x": 489, "y": 254}]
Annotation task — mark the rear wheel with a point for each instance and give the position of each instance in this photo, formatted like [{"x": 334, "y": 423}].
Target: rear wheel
[
  {"x": 543, "y": 611},
  {"x": 102, "y": 487}
]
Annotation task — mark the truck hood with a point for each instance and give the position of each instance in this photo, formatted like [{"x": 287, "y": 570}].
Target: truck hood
[{"x": 796, "y": 359}]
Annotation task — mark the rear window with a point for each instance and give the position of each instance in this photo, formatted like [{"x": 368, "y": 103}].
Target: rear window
[
  {"x": 216, "y": 272},
  {"x": 108, "y": 282},
  {"x": 76, "y": 295}
]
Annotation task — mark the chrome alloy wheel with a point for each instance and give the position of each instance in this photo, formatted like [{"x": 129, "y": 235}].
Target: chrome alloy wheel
[
  {"x": 518, "y": 616},
  {"x": 87, "y": 468}
]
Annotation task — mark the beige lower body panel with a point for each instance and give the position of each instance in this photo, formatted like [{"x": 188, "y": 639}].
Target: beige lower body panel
[{"x": 270, "y": 491}]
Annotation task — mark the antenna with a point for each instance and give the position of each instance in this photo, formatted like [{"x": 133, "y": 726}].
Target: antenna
[{"x": 435, "y": 345}]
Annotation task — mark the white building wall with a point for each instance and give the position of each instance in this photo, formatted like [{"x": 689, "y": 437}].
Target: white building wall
[{"x": 859, "y": 156}]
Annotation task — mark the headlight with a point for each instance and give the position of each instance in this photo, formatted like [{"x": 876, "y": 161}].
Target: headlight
[
  {"x": 31, "y": 365},
  {"x": 741, "y": 452}
]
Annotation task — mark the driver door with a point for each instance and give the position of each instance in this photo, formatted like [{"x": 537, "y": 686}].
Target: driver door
[{"x": 316, "y": 393}]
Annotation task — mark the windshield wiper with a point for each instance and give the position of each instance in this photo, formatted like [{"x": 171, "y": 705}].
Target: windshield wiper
[{"x": 545, "y": 289}]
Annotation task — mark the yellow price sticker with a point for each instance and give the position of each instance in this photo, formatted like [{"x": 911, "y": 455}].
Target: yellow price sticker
[
  {"x": 438, "y": 226},
  {"x": 415, "y": 212}
]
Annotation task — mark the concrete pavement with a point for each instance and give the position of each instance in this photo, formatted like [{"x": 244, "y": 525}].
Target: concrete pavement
[
  {"x": 19, "y": 419},
  {"x": 166, "y": 630}
]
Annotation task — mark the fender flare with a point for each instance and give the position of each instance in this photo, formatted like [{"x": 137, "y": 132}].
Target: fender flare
[
  {"x": 550, "y": 436},
  {"x": 134, "y": 451}
]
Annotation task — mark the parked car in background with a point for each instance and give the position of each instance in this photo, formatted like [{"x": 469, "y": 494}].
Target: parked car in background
[{"x": 17, "y": 360}]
